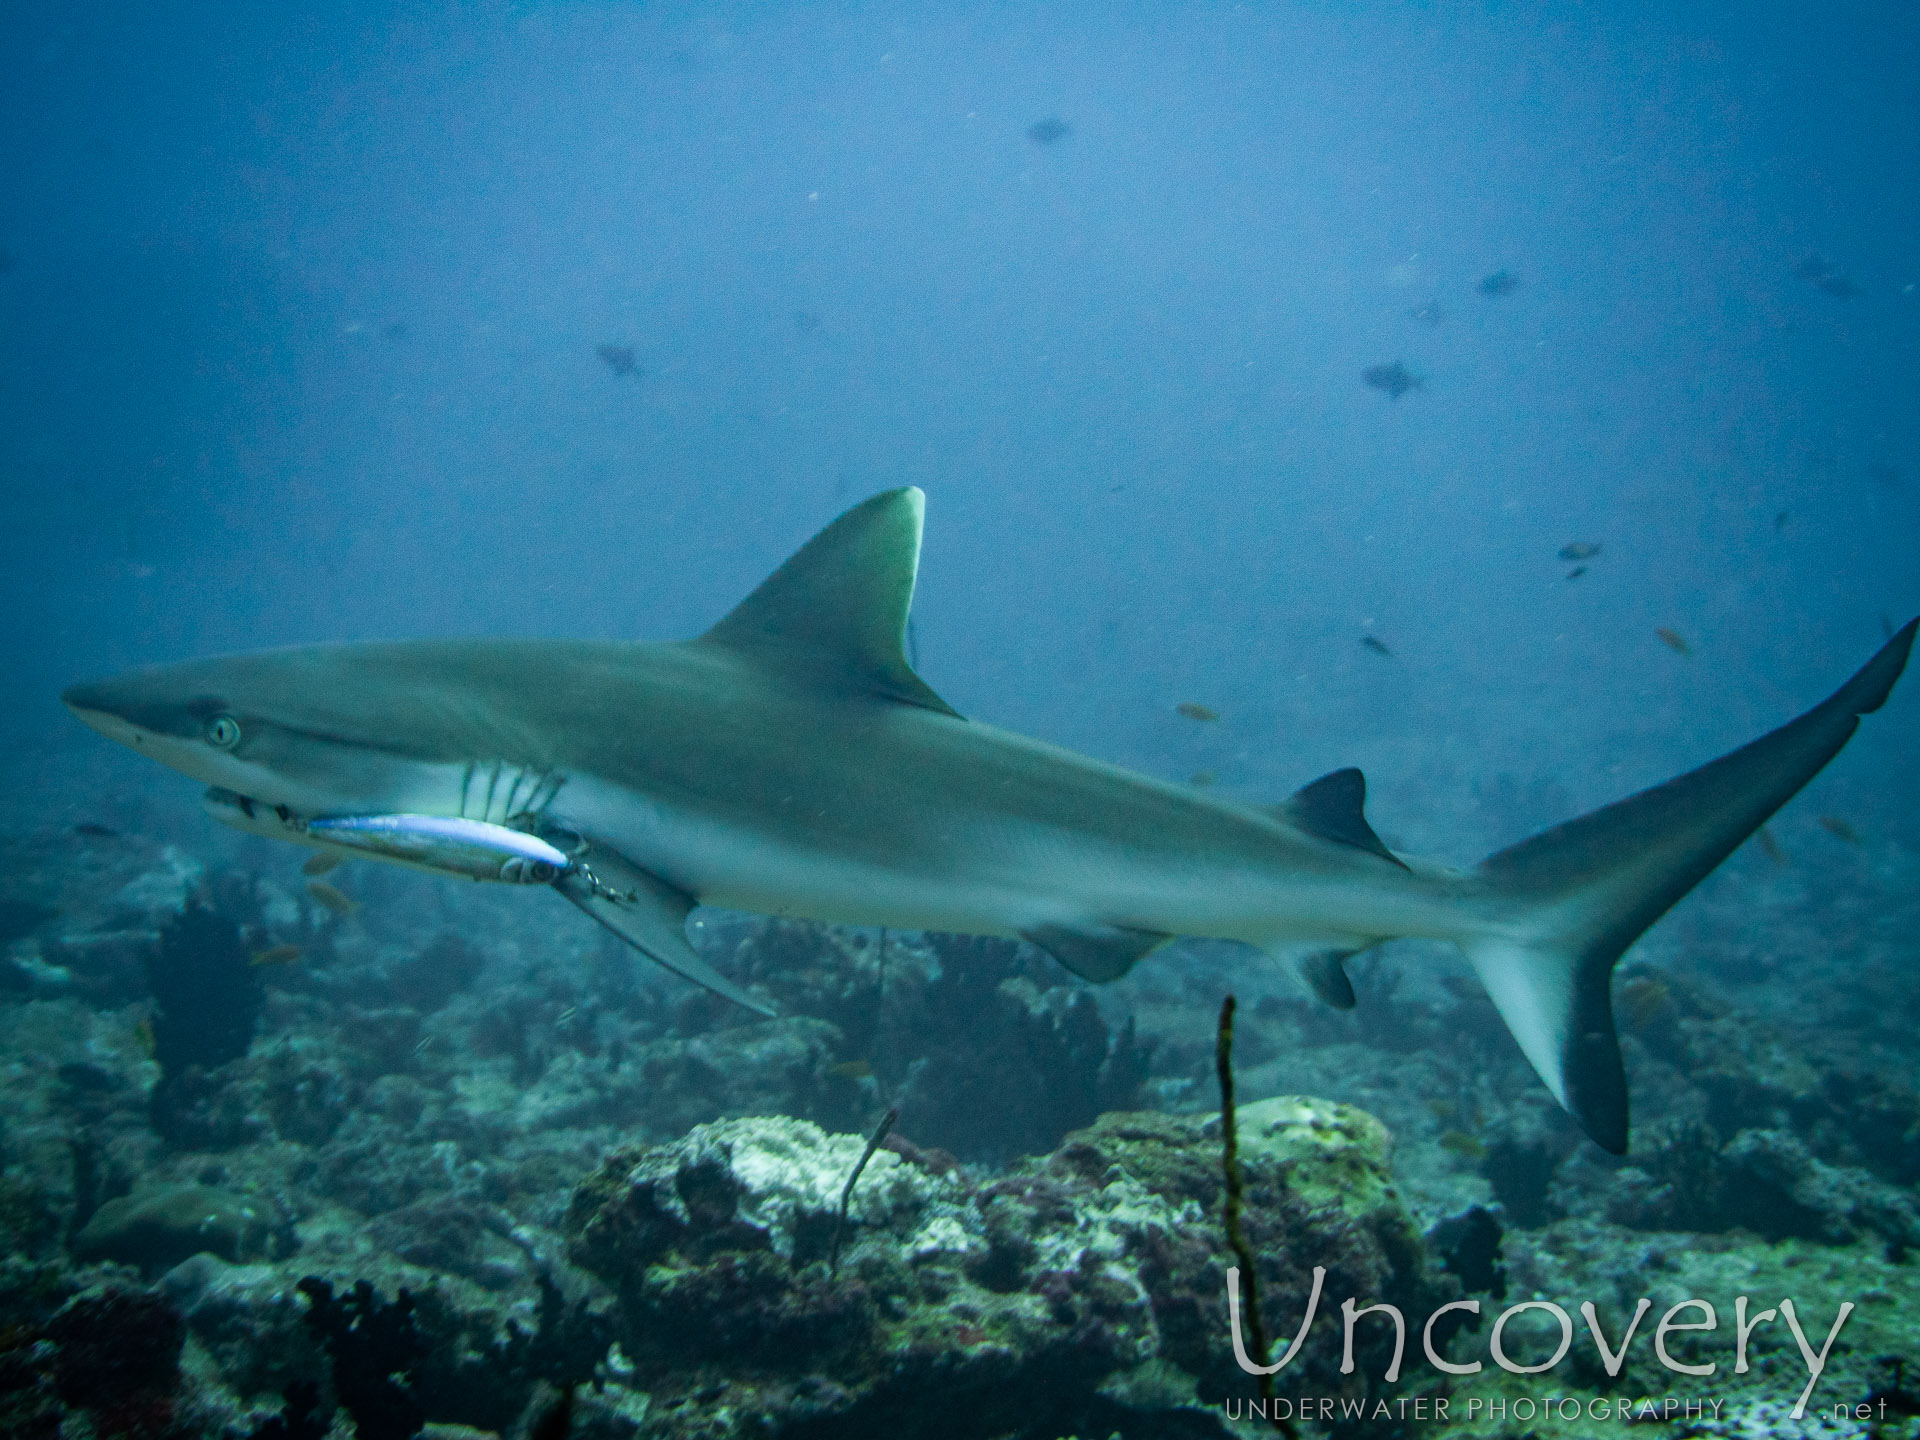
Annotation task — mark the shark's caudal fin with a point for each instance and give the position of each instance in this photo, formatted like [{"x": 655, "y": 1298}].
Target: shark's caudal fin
[
  {"x": 1570, "y": 901},
  {"x": 836, "y": 613}
]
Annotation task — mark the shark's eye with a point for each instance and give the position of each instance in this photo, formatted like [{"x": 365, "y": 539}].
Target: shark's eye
[{"x": 223, "y": 731}]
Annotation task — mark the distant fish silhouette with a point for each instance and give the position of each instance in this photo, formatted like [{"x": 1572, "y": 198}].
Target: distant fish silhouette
[
  {"x": 1839, "y": 829},
  {"x": 1821, "y": 273},
  {"x": 1576, "y": 572},
  {"x": 1048, "y": 131},
  {"x": 1579, "y": 550},
  {"x": 1194, "y": 711},
  {"x": 619, "y": 359},
  {"x": 87, "y": 830},
  {"x": 1500, "y": 282},
  {"x": 1674, "y": 641},
  {"x": 1780, "y": 521},
  {"x": 1377, "y": 646},
  {"x": 1395, "y": 379},
  {"x": 1770, "y": 845},
  {"x": 320, "y": 864},
  {"x": 276, "y": 955}
]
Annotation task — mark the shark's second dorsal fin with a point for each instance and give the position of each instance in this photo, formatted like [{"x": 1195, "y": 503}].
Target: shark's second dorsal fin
[
  {"x": 836, "y": 612},
  {"x": 1334, "y": 808}
]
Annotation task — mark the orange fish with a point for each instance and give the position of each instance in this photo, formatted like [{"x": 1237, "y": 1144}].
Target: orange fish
[
  {"x": 1674, "y": 641},
  {"x": 335, "y": 900}
]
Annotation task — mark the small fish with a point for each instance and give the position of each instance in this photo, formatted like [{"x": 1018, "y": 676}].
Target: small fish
[
  {"x": 619, "y": 359},
  {"x": 1467, "y": 1147},
  {"x": 1780, "y": 522},
  {"x": 276, "y": 955},
  {"x": 1378, "y": 647},
  {"x": 1579, "y": 550},
  {"x": 1200, "y": 777},
  {"x": 1395, "y": 379},
  {"x": 335, "y": 900},
  {"x": 851, "y": 1070},
  {"x": 320, "y": 864},
  {"x": 90, "y": 831},
  {"x": 1771, "y": 846},
  {"x": 1576, "y": 572},
  {"x": 1674, "y": 641},
  {"x": 1049, "y": 131},
  {"x": 425, "y": 1042},
  {"x": 1839, "y": 829},
  {"x": 1500, "y": 282},
  {"x": 565, "y": 1017},
  {"x": 1194, "y": 711},
  {"x": 143, "y": 1038}
]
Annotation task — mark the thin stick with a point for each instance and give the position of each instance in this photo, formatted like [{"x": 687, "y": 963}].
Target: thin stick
[
  {"x": 1235, "y": 1198},
  {"x": 846, "y": 1193}
]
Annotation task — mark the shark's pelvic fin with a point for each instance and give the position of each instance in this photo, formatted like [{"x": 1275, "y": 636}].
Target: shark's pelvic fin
[
  {"x": 1096, "y": 952},
  {"x": 1334, "y": 808},
  {"x": 836, "y": 612},
  {"x": 649, "y": 915},
  {"x": 1573, "y": 898},
  {"x": 1326, "y": 972}
]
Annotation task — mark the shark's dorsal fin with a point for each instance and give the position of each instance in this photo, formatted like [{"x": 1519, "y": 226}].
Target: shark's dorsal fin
[
  {"x": 836, "y": 612},
  {"x": 1334, "y": 808}
]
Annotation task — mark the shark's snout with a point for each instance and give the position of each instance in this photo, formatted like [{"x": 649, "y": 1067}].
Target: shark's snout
[{"x": 97, "y": 706}]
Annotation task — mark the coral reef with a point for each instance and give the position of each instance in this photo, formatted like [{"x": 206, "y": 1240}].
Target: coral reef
[{"x": 1051, "y": 1296}]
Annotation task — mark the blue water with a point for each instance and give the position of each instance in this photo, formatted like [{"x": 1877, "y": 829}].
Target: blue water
[{"x": 303, "y": 309}]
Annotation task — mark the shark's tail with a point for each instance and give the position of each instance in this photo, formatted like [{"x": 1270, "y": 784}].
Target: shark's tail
[{"x": 1569, "y": 901}]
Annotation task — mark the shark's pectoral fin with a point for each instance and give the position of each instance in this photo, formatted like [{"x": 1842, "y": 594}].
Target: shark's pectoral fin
[
  {"x": 649, "y": 915},
  {"x": 1334, "y": 808},
  {"x": 836, "y": 613},
  {"x": 1096, "y": 952}
]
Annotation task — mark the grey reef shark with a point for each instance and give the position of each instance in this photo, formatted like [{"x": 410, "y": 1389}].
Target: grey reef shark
[{"x": 790, "y": 762}]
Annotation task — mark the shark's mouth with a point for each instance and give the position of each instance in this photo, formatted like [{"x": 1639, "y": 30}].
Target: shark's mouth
[{"x": 257, "y": 817}]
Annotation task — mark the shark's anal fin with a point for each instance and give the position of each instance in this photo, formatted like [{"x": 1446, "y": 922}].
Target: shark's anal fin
[
  {"x": 1096, "y": 952},
  {"x": 649, "y": 915},
  {"x": 835, "y": 614},
  {"x": 1334, "y": 808}
]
